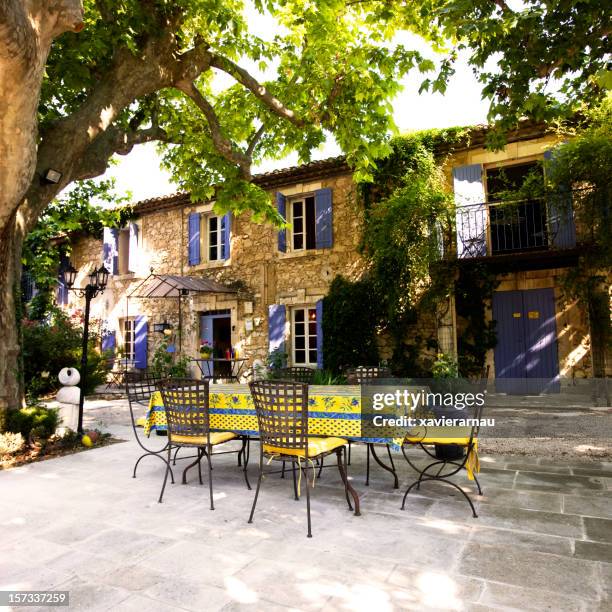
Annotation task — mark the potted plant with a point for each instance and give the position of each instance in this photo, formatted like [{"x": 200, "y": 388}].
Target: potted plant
[{"x": 206, "y": 349}]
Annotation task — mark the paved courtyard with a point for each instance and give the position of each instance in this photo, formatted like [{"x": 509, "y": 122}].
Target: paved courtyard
[{"x": 543, "y": 539}]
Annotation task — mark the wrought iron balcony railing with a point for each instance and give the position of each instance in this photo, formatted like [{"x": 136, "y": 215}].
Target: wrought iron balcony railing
[{"x": 496, "y": 228}]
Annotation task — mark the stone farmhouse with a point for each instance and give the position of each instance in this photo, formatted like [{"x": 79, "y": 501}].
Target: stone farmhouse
[{"x": 257, "y": 289}]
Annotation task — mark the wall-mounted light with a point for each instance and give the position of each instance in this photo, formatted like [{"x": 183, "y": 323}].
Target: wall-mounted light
[
  {"x": 161, "y": 327},
  {"x": 52, "y": 176}
]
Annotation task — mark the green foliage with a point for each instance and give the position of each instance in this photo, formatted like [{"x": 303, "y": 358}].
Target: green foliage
[
  {"x": 351, "y": 315},
  {"x": 405, "y": 230},
  {"x": 326, "y": 377},
  {"x": 33, "y": 422},
  {"x": 276, "y": 359},
  {"x": 542, "y": 60},
  {"x": 473, "y": 289},
  {"x": 80, "y": 212},
  {"x": 55, "y": 343},
  {"x": 165, "y": 363},
  {"x": 444, "y": 367}
]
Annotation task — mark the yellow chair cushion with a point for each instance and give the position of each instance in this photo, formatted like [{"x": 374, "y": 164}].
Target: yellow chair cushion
[
  {"x": 216, "y": 437},
  {"x": 316, "y": 446},
  {"x": 440, "y": 435}
]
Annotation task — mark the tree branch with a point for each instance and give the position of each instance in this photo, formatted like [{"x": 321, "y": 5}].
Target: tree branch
[
  {"x": 256, "y": 88},
  {"x": 255, "y": 140},
  {"x": 222, "y": 144}
]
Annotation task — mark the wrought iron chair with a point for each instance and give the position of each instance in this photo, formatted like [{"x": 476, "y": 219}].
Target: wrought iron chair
[
  {"x": 464, "y": 437},
  {"x": 282, "y": 414},
  {"x": 139, "y": 387},
  {"x": 186, "y": 402},
  {"x": 116, "y": 374},
  {"x": 362, "y": 375}
]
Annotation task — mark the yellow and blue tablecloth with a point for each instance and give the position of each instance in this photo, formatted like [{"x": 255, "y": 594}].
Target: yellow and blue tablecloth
[{"x": 333, "y": 411}]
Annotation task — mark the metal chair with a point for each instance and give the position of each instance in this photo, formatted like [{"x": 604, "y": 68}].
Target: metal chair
[
  {"x": 363, "y": 375},
  {"x": 464, "y": 437},
  {"x": 282, "y": 414},
  {"x": 115, "y": 376},
  {"x": 139, "y": 387},
  {"x": 186, "y": 402}
]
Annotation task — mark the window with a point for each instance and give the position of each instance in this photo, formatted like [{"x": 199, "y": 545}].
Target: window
[
  {"x": 522, "y": 224},
  {"x": 302, "y": 218},
  {"x": 304, "y": 336},
  {"x": 215, "y": 237},
  {"x": 129, "y": 340},
  {"x": 123, "y": 263}
]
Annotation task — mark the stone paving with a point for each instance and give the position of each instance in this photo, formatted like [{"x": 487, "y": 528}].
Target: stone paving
[{"x": 543, "y": 539}]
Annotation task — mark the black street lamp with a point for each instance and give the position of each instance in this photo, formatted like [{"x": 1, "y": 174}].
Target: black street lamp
[{"x": 97, "y": 284}]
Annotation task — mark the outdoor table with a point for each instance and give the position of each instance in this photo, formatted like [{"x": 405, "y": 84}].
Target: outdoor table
[
  {"x": 332, "y": 411},
  {"x": 207, "y": 368}
]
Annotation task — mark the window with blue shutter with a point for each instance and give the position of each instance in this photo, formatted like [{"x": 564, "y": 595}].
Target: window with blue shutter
[
  {"x": 324, "y": 219},
  {"x": 471, "y": 211},
  {"x": 319, "y": 307},
  {"x": 140, "y": 342},
  {"x": 110, "y": 250},
  {"x": 193, "y": 240},
  {"x": 276, "y": 327},
  {"x": 561, "y": 226},
  {"x": 281, "y": 206},
  {"x": 134, "y": 252}
]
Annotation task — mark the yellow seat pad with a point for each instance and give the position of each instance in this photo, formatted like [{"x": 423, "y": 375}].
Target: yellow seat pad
[
  {"x": 316, "y": 446},
  {"x": 440, "y": 435},
  {"x": 216, "y": 437}
]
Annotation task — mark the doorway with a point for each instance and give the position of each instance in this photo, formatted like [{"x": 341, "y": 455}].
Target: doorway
[
  {"x": 216, "y": 329},
  {"x": 526, "y": 358}
]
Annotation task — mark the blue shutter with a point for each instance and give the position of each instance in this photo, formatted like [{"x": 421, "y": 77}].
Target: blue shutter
[
  {"x": 561, "y": 227},
  {"x": 61, "y": 296},
  {"x": 319, "y": 307},
  {"x": 109, "y": 341},
  {"x": 276, "y": 327},
  {"x": 226, "y": 228},
  {"x": 194, "y": 238},
  {"x": 324, "y": 219},
  {"x": 281, "y": 206},
  {"x": 140, "y": 342},
  {"x": 133, "y": 253},
  {"x": 471, "y": 211},
  {"x": 110, "y": 250}
]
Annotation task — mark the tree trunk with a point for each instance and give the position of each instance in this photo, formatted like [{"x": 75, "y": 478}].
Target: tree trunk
[{"x": 27, "y": 29}]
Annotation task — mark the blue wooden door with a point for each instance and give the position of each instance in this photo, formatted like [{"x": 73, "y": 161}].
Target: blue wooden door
[{"x": 526, "y": 360}]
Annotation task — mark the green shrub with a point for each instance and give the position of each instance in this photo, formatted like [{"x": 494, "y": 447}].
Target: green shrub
[
  {"x": 55, "y": 343},
  {"x": 166, "y": 363},
  {"x": 35, "y": 421},
  {"x": 350, "y": 319},
  {"x": 325, "y": 377}
]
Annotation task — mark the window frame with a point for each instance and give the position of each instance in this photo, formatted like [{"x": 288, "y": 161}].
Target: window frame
[
  {"x": 205, "y": 232},
  {"x": 308, "y": 337},
  {"x": 301, "y": 199},
  {"x": 131, "y": 322}
]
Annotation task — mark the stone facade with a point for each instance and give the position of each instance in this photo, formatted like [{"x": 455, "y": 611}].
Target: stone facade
[{"x": 264, "y": 276}]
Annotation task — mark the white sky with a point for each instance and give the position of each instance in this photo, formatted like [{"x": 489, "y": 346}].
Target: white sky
[{"x": 140, "y": 172}]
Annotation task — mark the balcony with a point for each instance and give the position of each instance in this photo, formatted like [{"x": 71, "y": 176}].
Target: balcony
[{"x": 491, "y": 229}]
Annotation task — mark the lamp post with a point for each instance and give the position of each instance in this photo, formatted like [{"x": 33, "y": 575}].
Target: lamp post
[{"x": 97, "y": 284}]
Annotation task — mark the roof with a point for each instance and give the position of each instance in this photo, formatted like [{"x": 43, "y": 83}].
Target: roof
[
  {"x": 171, "y": 286},
  {"x": 333, "y": 166}
]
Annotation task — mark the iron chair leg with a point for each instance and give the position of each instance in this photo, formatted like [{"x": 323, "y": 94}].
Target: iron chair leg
[
  {"x": 168, "y": 470},
  {"x": 259, "y": 477},
  {"x": 208, "y": 454},
  {"x": 295, "y": 486},
  {"x": 341, "y": 455},
  {"x": 307, "y": 500}
]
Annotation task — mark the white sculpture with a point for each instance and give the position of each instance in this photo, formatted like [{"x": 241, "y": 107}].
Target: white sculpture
[{"x": 68, "y": 398}]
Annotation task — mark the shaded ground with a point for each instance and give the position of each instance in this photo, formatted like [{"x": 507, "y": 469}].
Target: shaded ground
[{"x": 82, "y": 523}]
